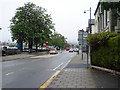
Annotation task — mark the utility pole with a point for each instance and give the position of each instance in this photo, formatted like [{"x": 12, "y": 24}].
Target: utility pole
[
  {"x": 88, "y": 33},
  {"x": 82, "y": 44},
  {"x": 90, "y": 20}
]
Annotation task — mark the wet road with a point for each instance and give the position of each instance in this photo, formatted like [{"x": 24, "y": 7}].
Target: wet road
[{"x": 33, "y": 72}]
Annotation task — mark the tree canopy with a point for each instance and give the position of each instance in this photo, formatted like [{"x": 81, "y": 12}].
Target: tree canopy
[
  {"x": 31, "y": 24},
  {"x": 59, "y": 40}
]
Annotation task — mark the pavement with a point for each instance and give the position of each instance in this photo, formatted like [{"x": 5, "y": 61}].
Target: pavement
[
  {"x": 77, "y": 75},
  {"x": 22, "y": 55}
]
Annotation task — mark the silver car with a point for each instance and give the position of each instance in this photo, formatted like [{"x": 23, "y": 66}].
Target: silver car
[
  {"x": 71, "y": 50},
  {"x": 53, "y": 51}
]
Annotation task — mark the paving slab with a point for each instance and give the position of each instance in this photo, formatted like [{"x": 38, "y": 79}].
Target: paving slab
[{"x": 77, "y": 75}]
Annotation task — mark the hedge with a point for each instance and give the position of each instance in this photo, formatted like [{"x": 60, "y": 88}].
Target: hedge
[{"x": 105, "y": 50}]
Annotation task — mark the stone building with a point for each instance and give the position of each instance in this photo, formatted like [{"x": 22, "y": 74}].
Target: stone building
[{"x": 107, "y": 16}]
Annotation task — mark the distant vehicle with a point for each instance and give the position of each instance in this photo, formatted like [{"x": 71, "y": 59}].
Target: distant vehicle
[
  {"x": 12, "y": 48},
  {"x": 43, "y": 48},
  {"x": 39, "y": 48},
  {"x": 53, "y": 51},
  {"x": 71, "y": 50},
  {"x": 47, "y": 47},
  {"x": 57, "y": 48},
  {"x": 67, "y": 48},
  {"x": 34, "y": 48},
  {"x": 3, "y": 51},
  {"x": 76, "y": 50}
]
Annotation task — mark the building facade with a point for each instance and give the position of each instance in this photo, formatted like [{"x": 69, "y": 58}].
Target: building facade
[{"x": 107, "y": 17}]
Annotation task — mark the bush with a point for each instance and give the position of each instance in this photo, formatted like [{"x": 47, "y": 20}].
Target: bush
[
  {"x": 100, "y": 39},
  {"x": 105, "y": 50}
]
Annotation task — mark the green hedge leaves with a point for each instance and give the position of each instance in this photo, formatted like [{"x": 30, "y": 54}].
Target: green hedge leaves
[{"x": 105, "y": 50}]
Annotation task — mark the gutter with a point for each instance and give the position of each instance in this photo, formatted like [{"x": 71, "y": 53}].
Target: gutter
[{"x": 106, "y": 70}]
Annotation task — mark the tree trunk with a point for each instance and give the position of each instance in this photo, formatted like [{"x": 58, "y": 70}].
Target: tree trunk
[
  {"x": 30, "y": 46},
  {"x": 36, "y": 47}
]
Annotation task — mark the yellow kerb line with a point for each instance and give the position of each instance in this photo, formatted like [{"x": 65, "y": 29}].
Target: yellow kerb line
[
  {"x": 21, "y": 69},
  {"x": 49, "y": 80},
  {"x": 89, "y": 68},
  {"x": 44, "y": 56}
]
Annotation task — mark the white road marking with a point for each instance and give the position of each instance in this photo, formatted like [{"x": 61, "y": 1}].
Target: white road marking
[
  {"x": 66, "y": 64},
  {"x": 9, "y": 73},
  {"x": 58, "y": 66}
]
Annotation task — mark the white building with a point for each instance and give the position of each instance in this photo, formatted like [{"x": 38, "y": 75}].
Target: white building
[{"x": 105, "y": 19}]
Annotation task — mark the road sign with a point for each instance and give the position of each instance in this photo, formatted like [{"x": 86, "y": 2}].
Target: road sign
[{"x": 82, "y": 37}]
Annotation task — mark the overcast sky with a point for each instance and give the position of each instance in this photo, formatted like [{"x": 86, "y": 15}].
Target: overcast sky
[{"x": 67, "y": 15}]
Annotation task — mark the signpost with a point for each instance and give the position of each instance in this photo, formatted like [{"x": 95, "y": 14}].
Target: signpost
[{"x": 82, "y": 38}]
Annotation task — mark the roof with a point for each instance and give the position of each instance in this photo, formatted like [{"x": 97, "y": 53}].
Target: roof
[
  {"x": 104, "y": 1},
  {"x": 97, "y": 8}
]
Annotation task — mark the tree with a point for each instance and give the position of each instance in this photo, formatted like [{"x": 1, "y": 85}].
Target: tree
[
  {"x": 59, "y": 40},
  {"x": 31, "y": 24}
]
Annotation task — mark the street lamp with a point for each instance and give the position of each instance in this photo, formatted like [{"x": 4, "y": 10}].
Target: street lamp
[
  {"x": 90, "y": 18},
  {"x": 88, "y": 33},
  {"x": 82, "y": 42}
]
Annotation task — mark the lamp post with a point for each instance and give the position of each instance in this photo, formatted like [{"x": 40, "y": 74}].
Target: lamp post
[
  {"x": 90, "y": 18},
  {"x": 82, "y": 43},
  {"x": 88, "y": 33}
]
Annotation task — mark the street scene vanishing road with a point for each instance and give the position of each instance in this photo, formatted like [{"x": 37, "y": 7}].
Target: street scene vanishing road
[
  {"x": 46, "y": 44},
  {"x": 34, "y": 71}
]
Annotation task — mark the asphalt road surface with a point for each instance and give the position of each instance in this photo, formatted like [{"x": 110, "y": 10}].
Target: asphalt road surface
[{"x": 33, "y": 72}]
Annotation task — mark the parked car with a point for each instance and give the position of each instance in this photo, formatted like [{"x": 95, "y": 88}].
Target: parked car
[
  {"x": 67, "y": 49},
  {"x": 12, "y": 48},
  {"x": 57, "y": 48},
  {"x": 43, "y": 48},
  {"x": 71, "y": 50},
  {"x": 76, "y": 50},
  {"x": 53, "y": 51},
  {"x": 3, "y": 52}
]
